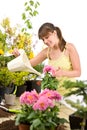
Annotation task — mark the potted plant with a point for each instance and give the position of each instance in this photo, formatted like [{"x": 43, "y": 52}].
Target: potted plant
[
  {"x": 12, "y": 84},
  {"x": 9, "y": 80},
  {"x": 48, "y": 79},
  {"x": 78, "y": 120},
  {"x": 6, "y": 85},
  {"x": 19, "y": 80},
  {"x": 40, "y": 111}
]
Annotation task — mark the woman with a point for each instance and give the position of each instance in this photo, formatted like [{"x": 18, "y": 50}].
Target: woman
[{"x": 61, "y": 55}]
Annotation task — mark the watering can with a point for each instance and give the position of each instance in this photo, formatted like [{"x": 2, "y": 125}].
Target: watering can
[{"x": 21, "y": 63}]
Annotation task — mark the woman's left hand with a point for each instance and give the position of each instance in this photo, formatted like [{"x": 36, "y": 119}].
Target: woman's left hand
[{"x": 59, "y": 72}]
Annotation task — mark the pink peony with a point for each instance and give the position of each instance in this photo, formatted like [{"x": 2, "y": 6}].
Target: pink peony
[
  {"x": 49, "y": 69},
  {"x": 51, "y": 94},
  {"x": 43, "y": 103},
  {"x": 29, "y": 97}
]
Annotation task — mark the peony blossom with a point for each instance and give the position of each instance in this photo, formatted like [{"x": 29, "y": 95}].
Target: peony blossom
[
  {"x": 43, "y": 103},
  {"x": 29, "y": 98},
  {"x": 52, "y": 94},
  {"x": 49, "y": 69}
]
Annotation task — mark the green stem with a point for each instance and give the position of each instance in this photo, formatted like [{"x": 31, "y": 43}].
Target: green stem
[{"x": 15, "y": 90}]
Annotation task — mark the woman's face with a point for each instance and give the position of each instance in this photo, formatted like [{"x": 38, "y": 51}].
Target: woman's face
[{"x": 51, "y": 39}]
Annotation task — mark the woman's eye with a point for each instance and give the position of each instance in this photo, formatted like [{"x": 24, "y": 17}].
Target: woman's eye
[{"x": 47, "y": 37}]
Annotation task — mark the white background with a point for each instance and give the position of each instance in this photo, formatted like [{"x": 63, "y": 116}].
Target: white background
[{"x": 69, "y": 15}]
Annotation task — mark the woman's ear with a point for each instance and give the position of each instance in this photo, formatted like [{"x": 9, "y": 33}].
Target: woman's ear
[{"x": 55, "y": 32}]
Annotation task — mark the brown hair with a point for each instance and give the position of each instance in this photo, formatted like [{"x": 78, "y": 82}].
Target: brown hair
[{"x": 49, "y": 27}]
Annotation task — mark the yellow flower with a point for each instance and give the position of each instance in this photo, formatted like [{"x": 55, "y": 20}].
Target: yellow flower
[
  {"x": 6, "y": 22},
  {"x": 21, "y": 46},
  {"x": 1, "y": 52},
  {"x": 31, "y": 55}
]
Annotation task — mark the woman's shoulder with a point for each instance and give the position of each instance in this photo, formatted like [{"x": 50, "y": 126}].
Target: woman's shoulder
[
  {"x": 44, "y": 51},
  {"x": 70, "y": 46}
]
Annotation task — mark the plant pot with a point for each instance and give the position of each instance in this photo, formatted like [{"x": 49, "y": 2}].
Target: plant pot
[
  {"x": 10, "y": 99},
  {"x": 33, "y": 84},
  {"x": 26, "y": 127},
  {"x": 75, "y": 122},
  {"x": 4, "y": 90},
  {"x": 23, "y": 127}
]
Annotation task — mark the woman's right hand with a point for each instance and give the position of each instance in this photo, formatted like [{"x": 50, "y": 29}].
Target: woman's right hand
[{"x": 15, "y": 52}]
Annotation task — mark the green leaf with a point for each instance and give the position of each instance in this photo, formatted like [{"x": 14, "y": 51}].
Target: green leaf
[
  {"x": 36, "y": 123},
  {"x": 35, "y": 13},
  {"x": 31, "y": 2},
  {"x": 23, "y": 16}
]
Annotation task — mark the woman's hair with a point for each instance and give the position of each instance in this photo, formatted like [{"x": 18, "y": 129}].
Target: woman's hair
[{"x": 49, "y": 27}]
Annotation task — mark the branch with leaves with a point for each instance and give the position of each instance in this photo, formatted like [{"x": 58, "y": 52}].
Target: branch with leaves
[{"x": 29, "y": 12}]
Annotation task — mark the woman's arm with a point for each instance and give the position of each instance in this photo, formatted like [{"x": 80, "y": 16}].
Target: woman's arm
[{"x": 39, "y": 58}]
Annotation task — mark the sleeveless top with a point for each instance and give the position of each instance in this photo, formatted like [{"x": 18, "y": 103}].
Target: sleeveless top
[{"x": 63, "y": 62}]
